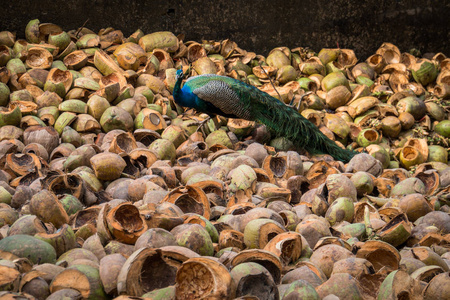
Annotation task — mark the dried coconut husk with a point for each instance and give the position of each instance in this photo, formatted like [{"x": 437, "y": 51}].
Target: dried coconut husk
[
  {"x": 33, "y": 284},
  {"x": 431, "y": 180},
  {"x": 46, "y": 136},
  {"x": 384, "y": 186},
  {"x": 333, "y": 240},
  {"x": 380, "y": 254},
  {"x": 431, "y": 239},
  {"x": 109, "y": 269},
  {"x": 62, "y": 240},
  {"x": 123, "y": 143},
  {"x": 46, "y": 206},
  {"x": 105, "y": 64},
  {"x": 83, "y": 217},
  {"x": 318, "y": 173},
  {"x": 265, "y": 258},
  {"x": 190, "y": 199},
  {"x": 204, "y": 277},
  {"x": 231, "y": 238},
  {"x": 258, "y": 232},
  {"x": 10, "y": 278},
  {"x": 56, "y": 76},
  {"x": 125, "y": 223},
  {"x": 341, "y": 285},
  {"x": 161, "y": 220},
  {"x": 396, "y": 175},
  {"x": 287, "y": 246},
  {"x": 145, "y": 157},
  {"x": 399, "y": 284},
  {"x": 148, "y": 265},
  {"x": 438, "y": 287},
  {"x": 394, "y": 77},
  {"x": 38, "y": 57},
  {"x": 325, "y": 256},
  {"x": 429, "y": 257},
  {"x": 425, "y": 274},
  {"x": 305, "y": 271},
  {"x": 396, "y": 231},
  {"x": 67, "y": 184},
  {"x": 26, "y": 107},
  {"x": 210, "y": 186},
  {"x": 85, "y": 279},
  {"x": 22, "y": 164},
  {"x": 360, "y": 211}
]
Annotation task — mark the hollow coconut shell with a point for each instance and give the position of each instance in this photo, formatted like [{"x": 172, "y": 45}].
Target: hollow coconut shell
[
  {"x": 36, "y": 250},
  {"x": 45, "y": 206},
  {"x": 105, "y": 64},
  {"x": 62, "y": 240},
  {"x": 194, "y": 237},
  {"x": 399, "y": 284},
  {"x": 258, "y": 232},
  {"x": 325, "y": 256},
  {"x": 341, "y": 285},
  {"x": 109, "y": 269},
  {"x": 39, "y": 58},
  {"x": 10, "y": 117},
  {"x": 162, "y": 40},
  {"x": 161, "y": 294},
  {"x": 253, "y": 279},
  {"x": 300, "y": 289},
  {"x": 368, "y": 137},
  {"x": 424, "y": 71},
  {"x": 265, "y": 258},
  {"x": 107, "y": 166},
  {"x": 34, "y": 285},
  {"x": 380, "y": 254},
  {"x": 152, "y": 267},
  {"x": 9, "y": 278},
  {"x": 396, "y": 231},
  {"x": 125, "y": 223},
  {"x": 438, "y": 287},
  {"x": 410, "y": 156},
  {"x": 203, "y": 277},
  {"x": 443, "y": 128},
  {"x": 83, "y": 278},
  {"x": 341, "y": 209},
  {"x": 415, "y": 206}
]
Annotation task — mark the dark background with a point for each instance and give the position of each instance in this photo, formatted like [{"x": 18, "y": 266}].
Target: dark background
[{"x": 255, "y": 25}]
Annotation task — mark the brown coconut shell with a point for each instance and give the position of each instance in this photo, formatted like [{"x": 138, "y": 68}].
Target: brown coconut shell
[
  {"x": 125, "y": 223},
  {"x": 380, "y": 254},
  {"x": 190, "y": 199},
  {"x": 203, "y": 277}
]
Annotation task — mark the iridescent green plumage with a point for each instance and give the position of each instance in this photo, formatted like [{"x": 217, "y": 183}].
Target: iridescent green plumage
[{"x": 229, "y": 97}]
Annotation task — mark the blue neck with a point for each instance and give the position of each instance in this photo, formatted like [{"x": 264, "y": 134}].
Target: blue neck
[{"x": 183, "y": 96}]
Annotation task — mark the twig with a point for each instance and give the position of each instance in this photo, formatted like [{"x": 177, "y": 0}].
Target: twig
[
  {"x": 79, "y": 29},
  {"x": 260, "y": 65},
  {"x": 301, "y": 99}
]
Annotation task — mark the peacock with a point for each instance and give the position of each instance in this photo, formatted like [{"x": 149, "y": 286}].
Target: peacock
[{"x": 220, "y": 95}]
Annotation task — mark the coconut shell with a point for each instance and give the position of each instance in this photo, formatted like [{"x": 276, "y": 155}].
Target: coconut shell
[{"x": 204, "y": 277}]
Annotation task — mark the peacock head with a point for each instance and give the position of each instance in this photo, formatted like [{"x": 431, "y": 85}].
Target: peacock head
[{"x": 180, "y": 74}]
